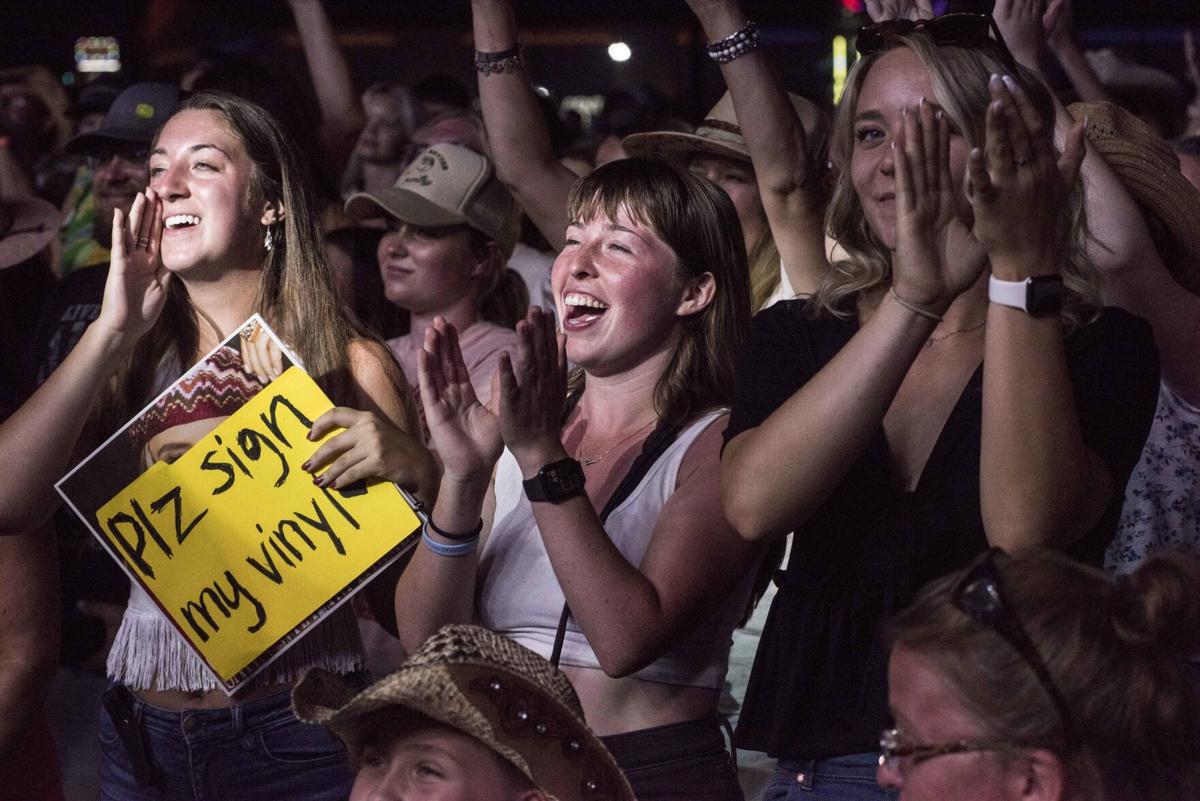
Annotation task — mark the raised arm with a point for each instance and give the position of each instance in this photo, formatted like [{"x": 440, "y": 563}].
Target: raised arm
[
  {"x": 778, "y": 144},
  {"x": 1059, "y": 23},
  {"x": 520, "y": 143},
  {"x": 341, "y": 113},
  {"x": 1039, "y": 482},
  {"x": 830, "y": 420},
  {"x": 37, "y": 441},
  {"x": 439, "y": 585}
]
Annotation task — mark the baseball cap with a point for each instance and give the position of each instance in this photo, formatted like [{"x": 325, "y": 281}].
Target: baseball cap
[
  {"x": 445, "y": 185},
  {"x": 133, "y": 119}
]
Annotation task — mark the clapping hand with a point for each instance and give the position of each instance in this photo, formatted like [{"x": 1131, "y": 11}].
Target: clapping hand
[
  {"x": 1018, "y": 183},
  {"x": 464, "y": 432},
  {"x": 936, "y": 258},
  {"x": 533, "y": 391}
]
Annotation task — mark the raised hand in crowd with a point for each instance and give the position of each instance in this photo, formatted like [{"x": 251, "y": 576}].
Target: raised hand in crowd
[
  {"x": 533, "y": 389},
  {"x": 882, "y": 10},
  {"x": 787, "y": 151},
  {"x": 525, "y": 160}
]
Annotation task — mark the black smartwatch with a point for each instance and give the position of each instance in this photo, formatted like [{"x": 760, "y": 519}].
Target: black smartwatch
[
  {"x": 1039, "y": 295},
  {"x": 556, "y": 482}
]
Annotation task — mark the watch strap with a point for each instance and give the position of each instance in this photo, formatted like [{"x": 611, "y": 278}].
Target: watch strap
[{"x": 1009, "y": 293}]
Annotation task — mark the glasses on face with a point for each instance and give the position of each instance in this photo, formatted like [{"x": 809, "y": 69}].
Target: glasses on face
[
  {"x": 101, "y": 156},
  {"x": 892, "y": 748},
  {"x": 980, "y": 595},
  {"x": 961, "y": 30}
]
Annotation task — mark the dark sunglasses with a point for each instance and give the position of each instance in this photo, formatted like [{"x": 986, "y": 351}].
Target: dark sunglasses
[
  {"x": 980, "y": 595},
  {"x": 959, "y": 30}
]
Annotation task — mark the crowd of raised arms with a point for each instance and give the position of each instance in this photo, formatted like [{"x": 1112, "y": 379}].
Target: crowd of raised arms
[{"x": 806, "y": 452}]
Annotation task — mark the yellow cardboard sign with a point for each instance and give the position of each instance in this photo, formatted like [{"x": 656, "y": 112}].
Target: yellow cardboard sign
[{"x": 238, "y": 546}]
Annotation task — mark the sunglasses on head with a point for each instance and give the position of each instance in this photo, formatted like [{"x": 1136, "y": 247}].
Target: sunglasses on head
[
  {"x": 958, "y": 30},
  {"x": 980, "y": 596}
]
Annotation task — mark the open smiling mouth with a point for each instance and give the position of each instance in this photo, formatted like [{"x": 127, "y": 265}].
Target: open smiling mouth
[
  {"x": 178, "y": 221},
  {"x": 582, "y": 310}
]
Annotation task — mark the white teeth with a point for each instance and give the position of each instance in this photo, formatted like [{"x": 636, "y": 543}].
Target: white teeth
[
  {"x": 580, "y": 299},
  {"x": 181, "y": 220}
]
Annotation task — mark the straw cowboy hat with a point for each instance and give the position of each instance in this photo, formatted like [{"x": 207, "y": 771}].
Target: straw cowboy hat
[
  {"x": 490, "y": 688},
  {"x": 27, "y": 224},
  {"x": 719, "y": 134},
  {"x": 1149, "y": 169}
]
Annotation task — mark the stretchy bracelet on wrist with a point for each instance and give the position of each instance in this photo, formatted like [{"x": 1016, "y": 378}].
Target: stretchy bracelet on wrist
[
  {"x": 473, "y": 534},
  {"x": 915, "y": 309},
  {"x": 736, "y": 44},
  {"x": 455, "y": 550},
  {"x": 500, "y": 60}
]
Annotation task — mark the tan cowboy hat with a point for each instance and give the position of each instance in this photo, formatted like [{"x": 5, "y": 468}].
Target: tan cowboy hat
[
  {"x": 27, "y": 224},
  {"x": 1149, "y": 169},
  {"x": 719, "y": 134},
  {"x": 490, "y": 688}
]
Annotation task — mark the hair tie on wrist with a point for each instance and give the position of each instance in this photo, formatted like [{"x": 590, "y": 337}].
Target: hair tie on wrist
[
  {"x": 473, "y": 534},
  {"x": 915, "y": 309},
  {"x": 508, "y": 60},
  {"x": 441, "y": 549},
  {"x": 736, "y": 44}
]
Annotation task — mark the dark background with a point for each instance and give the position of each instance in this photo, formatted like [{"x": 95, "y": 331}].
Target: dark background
[{"x": 565, "y": 40}]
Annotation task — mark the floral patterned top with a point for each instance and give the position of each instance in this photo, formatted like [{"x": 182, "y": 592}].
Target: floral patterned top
[{"x": 1162, "y": 499}]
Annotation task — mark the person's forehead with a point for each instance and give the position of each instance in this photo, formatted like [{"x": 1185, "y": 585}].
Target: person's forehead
[
  {"x": 455, "y": 130},
  {"x": 200, "y": 126},
  {"x": 896, "y": 75}
]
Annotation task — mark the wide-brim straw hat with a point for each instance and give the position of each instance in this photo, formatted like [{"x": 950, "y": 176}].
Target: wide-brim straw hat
[
  {"x": 1149, "y": 169},
  {"x": 488, "y": 687},
  {"x": 27, "y": 224},
  {"x": 720, "y": 135}
]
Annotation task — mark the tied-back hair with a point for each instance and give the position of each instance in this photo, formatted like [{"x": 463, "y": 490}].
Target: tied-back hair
[
  {"x": 1117, "y": 651},
  {"x": 960, "y": 83},
  {"x": 697, "y": 220},
  {"x": 765, "y": 275},
  {"x": 297, "y": 297}
]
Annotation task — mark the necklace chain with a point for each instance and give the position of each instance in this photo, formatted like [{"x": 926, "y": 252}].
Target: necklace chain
[
  {"x": 929, "y": 342},
  {"x": 589, "y": 462}
]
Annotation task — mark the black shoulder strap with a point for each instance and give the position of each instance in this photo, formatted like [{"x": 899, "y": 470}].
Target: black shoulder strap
[{"x": 655, "y": 445}]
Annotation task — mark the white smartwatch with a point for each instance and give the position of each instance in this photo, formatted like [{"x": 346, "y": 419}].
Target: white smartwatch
[{"x": 1038, "y": 295}]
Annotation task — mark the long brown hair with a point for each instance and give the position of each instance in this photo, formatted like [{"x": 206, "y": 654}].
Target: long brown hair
[
  {"x": 960, "y": 82},
  {"x": 1116, "y": 650},
  {"x": 297, "y": 297},
  {"x": 698, "y": 221}
]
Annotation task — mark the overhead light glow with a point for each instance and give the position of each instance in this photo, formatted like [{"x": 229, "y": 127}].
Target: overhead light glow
[
  {"x": 840, "y": 49},
  {"x": 619, "y": 51}
]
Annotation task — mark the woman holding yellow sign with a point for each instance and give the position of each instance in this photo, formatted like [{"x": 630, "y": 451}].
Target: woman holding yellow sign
[{"x": 226, "y": 229}]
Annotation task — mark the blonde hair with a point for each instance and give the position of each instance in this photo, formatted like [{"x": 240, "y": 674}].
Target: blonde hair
[
  {"x": 960, "y": 83},
  {"x": 1116, "y": 650},
  {"x": 697, "y": 220}
]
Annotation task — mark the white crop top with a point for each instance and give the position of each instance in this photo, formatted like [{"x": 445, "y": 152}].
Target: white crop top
[{"x": 519, "y": 595}]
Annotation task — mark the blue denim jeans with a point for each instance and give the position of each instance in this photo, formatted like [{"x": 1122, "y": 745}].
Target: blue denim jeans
[
  {"x": 844, "y": 778},
  {"x": 257, "y": 750}
]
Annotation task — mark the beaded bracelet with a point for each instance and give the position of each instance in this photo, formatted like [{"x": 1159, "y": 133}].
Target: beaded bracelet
[
  {"x": 441, "y": 549},
  {"x": 736, "y": 44},
  {"x": 500, "y": 60}
]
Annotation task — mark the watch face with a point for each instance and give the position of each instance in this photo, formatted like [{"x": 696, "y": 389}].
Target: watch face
[
  {"x": 564, "y": 482},
  {"x": 1044, "y": 294}
]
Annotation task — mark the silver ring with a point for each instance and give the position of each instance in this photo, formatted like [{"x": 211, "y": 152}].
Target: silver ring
[
  {"x": 143, "y": 242},
  {"x": 1020, "y": 162}
]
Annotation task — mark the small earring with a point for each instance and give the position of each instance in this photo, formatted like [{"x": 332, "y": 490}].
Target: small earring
[{"x": 268, "y": 242}]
